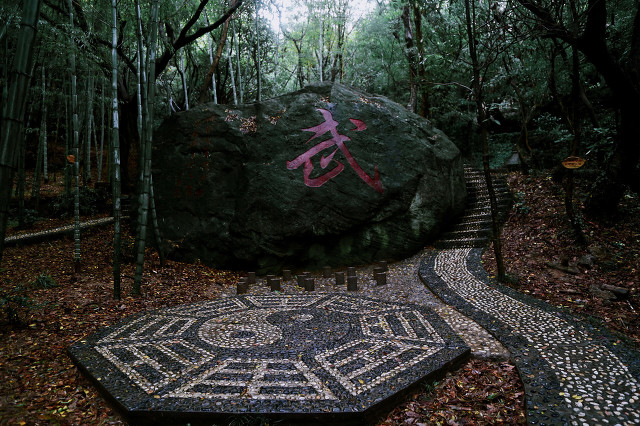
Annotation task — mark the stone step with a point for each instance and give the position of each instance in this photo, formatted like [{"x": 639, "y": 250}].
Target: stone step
[
  {"x": 467, "y": 234},
  {"x": 485, "y": 195},
  {"x": 484, "y": 198},
  {"x": 478, "y": 223},
  {"x": 475, "y": 217},
  {"x": 453, "y": 244},
  {"x": 482, "y": 192},
  {"x": 481, "y": 188},
  {"x": 479, "y": 207},
  {"x": 471, "y": 226}
]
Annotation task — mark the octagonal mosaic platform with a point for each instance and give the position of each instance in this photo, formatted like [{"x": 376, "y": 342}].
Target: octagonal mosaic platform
[{"x": 319, "y": 356}]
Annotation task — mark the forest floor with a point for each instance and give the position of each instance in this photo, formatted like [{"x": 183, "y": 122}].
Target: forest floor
[{"x": 40, "y": 385}]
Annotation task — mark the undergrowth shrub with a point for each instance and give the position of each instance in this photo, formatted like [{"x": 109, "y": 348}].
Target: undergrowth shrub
[
  {"x": 16, "y": 301},
  {"x": 91, "y": 202},
  {"x": 43, "y": 281}
]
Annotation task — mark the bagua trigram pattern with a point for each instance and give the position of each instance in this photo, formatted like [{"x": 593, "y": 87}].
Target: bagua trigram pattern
[{"x": 176, "y": 353}]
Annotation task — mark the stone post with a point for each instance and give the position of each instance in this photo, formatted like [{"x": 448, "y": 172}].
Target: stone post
[
  {"x": 274, "y": 283},
  {"x": 309, "y": 284},
  {"x": 326, "y": 272},
  {"x": 352, "y": 283},
  {"x": 242, "y": 287}
]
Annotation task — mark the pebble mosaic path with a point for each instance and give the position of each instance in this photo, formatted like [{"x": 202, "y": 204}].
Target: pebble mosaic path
[
  {"x": 574, "y": 373},
  {"x": 34, "y": 237},
  {"x": 308, "y": 358}
]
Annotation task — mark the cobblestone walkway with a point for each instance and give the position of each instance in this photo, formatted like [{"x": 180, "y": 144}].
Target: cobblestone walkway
[
  {"x": 35, "y": 237},
  {"x": 573, "y": 372}
]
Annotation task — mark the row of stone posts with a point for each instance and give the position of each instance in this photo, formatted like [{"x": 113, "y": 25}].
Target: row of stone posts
[{"x": 306, "y": 281}]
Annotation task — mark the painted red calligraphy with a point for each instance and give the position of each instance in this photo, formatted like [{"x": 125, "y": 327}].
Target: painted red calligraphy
[{"x": 331, "y": 126}]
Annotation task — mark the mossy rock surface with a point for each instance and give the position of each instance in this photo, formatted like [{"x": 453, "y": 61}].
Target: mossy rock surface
[{"x": 328, "y": 175}]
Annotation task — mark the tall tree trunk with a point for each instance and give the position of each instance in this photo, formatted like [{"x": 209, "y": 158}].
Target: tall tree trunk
[
  {"x": 145, "y": 128},
  {"x": 35, "y": 187},
  {"x": 101, "y": 149},
  {"x": 482, "y": 121},
  {"x": 423, "y": 94},
  {"x": 233, "y": 81},
  {"x": 410, "y": 50},
  {"x": 338, "y": 61},
  {"x": 141, "y": 92},
  {"x": 143, "y": 200},
  {"x": 576, "y": 127},
  {"x": 211, "y": 61},
  {"x": 117, "y": 213},
  {"x": 22, "y": 176},
  {"x": 300, "y": 68},
  {"x": 87, "y": 146},
  {"x": 167, "y": 85},
  {"x": 67, "y": 150},
  {"x": 76, "y": 155},
  {"x": 257, "y": 56},
  {"x": 183, "y": 78},
  {"x": 43, "y": 129},
  {"x": 42, "y": 146},
  {"x": 236, "y": 41},
  {"x": 214, "y": 65},
  {"x": 276, "y": 61},
  {"x": 320, "y": 52},
  {"x": 13, "y": 110},
  {"x": 154, "y": 221}
]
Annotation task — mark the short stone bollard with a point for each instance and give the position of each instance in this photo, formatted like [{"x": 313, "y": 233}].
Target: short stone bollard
[
  {"x": 269, "y": 278},
  {"x": 378, "y": 270},
  {"x": 352, "y": 283},
  {"x": 381, "y": 278},
  {"x": 301, "y": 278},
  {"x": 286, "y": 275},
  {"x": 351, "y": 271},
  {"x": 242, "y": 287},
  {"x": 339, "y": 278},
  {"x": 309, "y": 284},
  {"x": 326, "y": 272},
  {"x": 251, "y": 277},
  {"x": 274, "y": 283}
]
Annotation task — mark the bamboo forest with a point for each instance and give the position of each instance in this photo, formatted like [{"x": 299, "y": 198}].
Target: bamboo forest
[{"x": 284, "y": 212}]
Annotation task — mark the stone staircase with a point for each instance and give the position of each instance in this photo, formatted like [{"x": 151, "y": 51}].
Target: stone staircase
[{"x": 473, "y": 228}]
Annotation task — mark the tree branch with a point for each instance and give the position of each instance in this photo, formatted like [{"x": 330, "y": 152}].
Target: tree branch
[
  {"x": 550, "y": 26},
  {"x": 634, "y": 53},
  {"x": 91, "y": 36},
  {"x": 193, "y": 19},
  {"x": 184, "y": 39}
]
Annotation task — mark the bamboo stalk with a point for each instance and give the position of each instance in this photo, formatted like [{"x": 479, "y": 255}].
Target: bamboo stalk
[{"x": 13, "y": 110}]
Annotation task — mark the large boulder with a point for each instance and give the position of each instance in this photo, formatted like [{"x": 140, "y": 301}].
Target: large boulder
[{"x": 328, "y": 175}]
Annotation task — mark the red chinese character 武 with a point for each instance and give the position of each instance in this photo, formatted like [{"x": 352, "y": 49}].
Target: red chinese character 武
[{"x": 330, "y": 125}]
